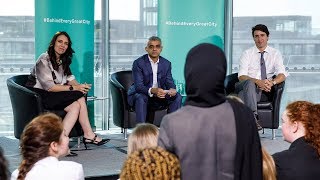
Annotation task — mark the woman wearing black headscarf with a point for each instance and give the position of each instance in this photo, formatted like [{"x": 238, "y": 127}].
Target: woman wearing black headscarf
[{"x": 212, "y": 137}]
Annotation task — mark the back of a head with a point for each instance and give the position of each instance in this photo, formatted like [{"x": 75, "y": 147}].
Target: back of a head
[
  {"x": 269, "y": 167},
  {"x": 313, "y": 128},
  {"x": 3, "y": 166},
  {"x": 144, "y": 135},
  {"x": 205, "y": 72},
  {"x": 36, "y": 139},
  {"x": 151, "y": 164}
]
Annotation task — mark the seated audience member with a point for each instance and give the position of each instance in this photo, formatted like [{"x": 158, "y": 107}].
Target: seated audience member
[
  {"x": 143, "y": 136},
  {"x": 269, "y": 169},
  {"x": 197, "y": 133},
  {"x": 151, "y": 163},
  {"x": 153, "y": 83},
  {"x": 301, "y": 128},
  {"x": 42, "y": 142},
  {"x": 3, "y": 166}
]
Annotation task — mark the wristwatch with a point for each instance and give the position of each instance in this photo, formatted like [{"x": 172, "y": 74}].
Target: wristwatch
[{"x": 70, "y": 87}]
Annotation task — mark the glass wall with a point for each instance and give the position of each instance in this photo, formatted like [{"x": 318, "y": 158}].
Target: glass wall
[
  {"x": 293, "y": 31},
  {"x": 131, "y": 22},
  {"x": 16, "y": 51}
]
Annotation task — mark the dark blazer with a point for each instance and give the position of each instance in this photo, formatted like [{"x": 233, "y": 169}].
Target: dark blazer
[
  {"x": 300, "y": 161},
  {"x": 143, "y": 76}
]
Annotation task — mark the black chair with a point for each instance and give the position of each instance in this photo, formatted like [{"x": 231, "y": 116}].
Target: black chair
[
  {"x": 27, "y": 104},
  {"x": 268, "y": 111},
  {"x": 124, "y": 116}
]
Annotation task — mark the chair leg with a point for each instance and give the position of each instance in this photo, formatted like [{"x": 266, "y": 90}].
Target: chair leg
[
  {"x": 262, "y": 130},
  {"x": 273, "y": 134},
  {"x": 121, "y": 130},
  {"x": 125, "y": 133},
  {"x": 79, "y": 141}
]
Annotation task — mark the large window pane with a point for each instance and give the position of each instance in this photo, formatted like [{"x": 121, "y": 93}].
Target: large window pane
[
  {"x": 131, "y": 23},
  {"x": 17, "y": 54},
  {"x": 16, "y": 51}
]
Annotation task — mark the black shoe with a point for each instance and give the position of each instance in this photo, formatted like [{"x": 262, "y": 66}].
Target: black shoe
[
  {"x": 72, "y": 154},
  {"x": 94, "y": 141}
]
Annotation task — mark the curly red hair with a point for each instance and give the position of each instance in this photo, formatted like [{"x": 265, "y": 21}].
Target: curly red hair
[{"x": 309, "y": 115}]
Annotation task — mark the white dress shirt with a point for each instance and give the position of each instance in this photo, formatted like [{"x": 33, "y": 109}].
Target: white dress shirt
[
  {"x": 154, "y": 66},
  {"x": 50, "y": 168},
  {"x": 249, "y": 63}
]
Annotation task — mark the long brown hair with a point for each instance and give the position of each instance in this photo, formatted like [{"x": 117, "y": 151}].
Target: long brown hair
[
  {"x": 65, "y": 57},
  {"x": 36, "y": 139},
  {"x": 3, "y": 165}
]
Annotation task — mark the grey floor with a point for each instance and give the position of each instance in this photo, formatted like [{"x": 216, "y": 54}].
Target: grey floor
[{"x": 108, "y": 159}]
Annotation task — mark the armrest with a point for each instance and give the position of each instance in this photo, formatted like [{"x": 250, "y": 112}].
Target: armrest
[
  {"x": 230, "y": 82},
  {"x": 121, "y": 92},
  {"x": 278, "y": 90},
  {"x": 22, "y": 96},
  {"x": 26, "y": 105}
]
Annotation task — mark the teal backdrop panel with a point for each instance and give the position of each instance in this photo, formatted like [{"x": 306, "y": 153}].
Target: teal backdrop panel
[
  {"x": 183, "y": 24},
  {"x": 76, "y": 17}
]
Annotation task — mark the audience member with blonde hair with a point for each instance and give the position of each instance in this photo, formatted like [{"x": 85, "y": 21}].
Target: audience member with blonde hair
[
  {"x": 144, "y": 135},
  {"x": 301, "y": 128},
  {"x": 42, "y": 142},
  {"x": 152, "y": 164},
  {"x": 268, "y": 166}
]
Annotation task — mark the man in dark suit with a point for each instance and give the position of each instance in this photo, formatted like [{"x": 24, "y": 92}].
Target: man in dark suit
[{"x": 153, "y": 83}]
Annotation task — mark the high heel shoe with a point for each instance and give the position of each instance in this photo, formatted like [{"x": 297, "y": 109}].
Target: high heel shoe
[{"x": 94, "y": 141}]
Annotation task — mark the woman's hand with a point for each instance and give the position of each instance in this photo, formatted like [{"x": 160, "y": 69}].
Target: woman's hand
[{"x": 84, "y": 88}]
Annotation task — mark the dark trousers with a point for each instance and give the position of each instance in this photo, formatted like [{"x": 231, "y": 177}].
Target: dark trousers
[
  {"x": 142, "y": 103},
  {"x": 251, "y": 94}
]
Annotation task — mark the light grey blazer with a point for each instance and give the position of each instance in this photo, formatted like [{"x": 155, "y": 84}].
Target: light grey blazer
[{"x": 204, "y": 139}]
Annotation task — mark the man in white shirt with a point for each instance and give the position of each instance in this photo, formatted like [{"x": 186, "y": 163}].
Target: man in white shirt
[{"x": 260, "y": 68}]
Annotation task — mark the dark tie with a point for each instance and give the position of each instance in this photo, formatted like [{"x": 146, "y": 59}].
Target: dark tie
[{"x": 263, "y": 66}]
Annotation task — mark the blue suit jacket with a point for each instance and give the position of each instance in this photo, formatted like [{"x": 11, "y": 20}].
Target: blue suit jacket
[{"x": 143, "y": 75}]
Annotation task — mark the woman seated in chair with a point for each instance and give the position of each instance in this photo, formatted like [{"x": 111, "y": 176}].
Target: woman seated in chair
[{"x": 52, "y": 78}]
